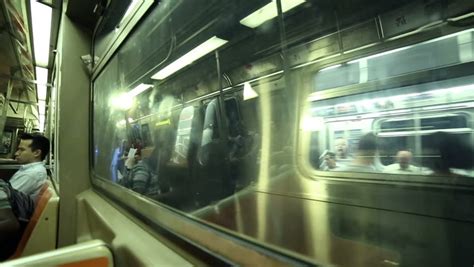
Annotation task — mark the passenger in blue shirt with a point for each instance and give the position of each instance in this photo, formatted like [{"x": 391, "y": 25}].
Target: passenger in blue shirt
[{"x": 31, "y": 152}]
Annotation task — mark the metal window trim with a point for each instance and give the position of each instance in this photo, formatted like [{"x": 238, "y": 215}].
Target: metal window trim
[{"x": 223, "y": 243}]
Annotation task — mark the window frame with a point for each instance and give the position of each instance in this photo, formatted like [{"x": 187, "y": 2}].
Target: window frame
[{"x": 310, "y": 70}]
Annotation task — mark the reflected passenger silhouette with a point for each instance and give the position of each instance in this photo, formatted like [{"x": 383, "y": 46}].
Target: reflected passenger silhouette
[
  {"x": 365, "y": 157},
  {"x": 403, "y": 163},
  {"x": 452, "y": 155}
]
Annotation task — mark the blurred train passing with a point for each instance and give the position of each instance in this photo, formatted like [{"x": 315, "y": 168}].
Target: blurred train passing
[{"x": 265, "y": 132}]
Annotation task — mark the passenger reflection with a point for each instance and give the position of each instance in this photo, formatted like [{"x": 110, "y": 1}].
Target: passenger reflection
[
  {"x": 117, "y": 164},
  {"x": 143, "y": 175},
  {"x": 453, "y": 157},
  {"x": 328, "y": 161},
  {"x": 365, "y": 157},
  {"x": 403, "y": 163},
  {"x": 341, "y": 149}
]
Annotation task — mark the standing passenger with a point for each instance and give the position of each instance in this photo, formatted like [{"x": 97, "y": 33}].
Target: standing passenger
[{"x": 31, "y": 152}]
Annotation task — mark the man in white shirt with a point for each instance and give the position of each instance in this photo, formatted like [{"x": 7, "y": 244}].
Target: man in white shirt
[
  {"x": 31, "y": 152},
  {"x": 403, "y": 165}
]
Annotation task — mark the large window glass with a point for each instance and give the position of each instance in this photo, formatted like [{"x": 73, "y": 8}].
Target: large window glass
[
  {"x": 415, "y": 129},
  {"x": 334, "y": 132}
]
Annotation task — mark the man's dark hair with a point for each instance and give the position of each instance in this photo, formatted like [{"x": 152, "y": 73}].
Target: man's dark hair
[
  {"x": 368, "y": 142},
  {"x": 38, "y": 142}
]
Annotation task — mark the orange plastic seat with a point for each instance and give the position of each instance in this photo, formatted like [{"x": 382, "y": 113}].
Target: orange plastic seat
[{"x": 41, "y": 202}]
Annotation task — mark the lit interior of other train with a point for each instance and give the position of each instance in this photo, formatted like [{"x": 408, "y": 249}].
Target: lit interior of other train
[{"x": 421, "y": 129}]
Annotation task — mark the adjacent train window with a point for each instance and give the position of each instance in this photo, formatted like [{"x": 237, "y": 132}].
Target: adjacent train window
[{"x": 414, "y": 129}]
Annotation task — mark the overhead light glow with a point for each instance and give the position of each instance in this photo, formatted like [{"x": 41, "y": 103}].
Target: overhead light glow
[
  {"x": 41, "y": 122},
  {"x": 249, "y": 93},
  {"x": 330, "y": 67},
  {"x": 196, "y": 53},
  {"x": 268, "y": 12},
  {"x": 42, "y": 107},
  {"x": 41, "y": 22},
  {"x": 139, "y": 89},
  {"x": 131, "y": 7},
  {"x": 42, "y": 80},
  {"x": 122, "y": 101}
]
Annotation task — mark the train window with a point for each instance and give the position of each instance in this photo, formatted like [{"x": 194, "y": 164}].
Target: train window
[
  {"x": 397, "y": 129},
  {"x": 240, "y": 96}
]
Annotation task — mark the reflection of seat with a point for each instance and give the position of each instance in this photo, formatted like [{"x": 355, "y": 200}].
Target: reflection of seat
[{"x": 185, "y": 126}]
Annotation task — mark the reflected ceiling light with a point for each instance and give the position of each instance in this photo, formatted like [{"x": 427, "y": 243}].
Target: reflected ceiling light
[
  {"x": 330, "y": 67},
  {"x": 122, "y": 101},
  {"x": 41, "y": 22},
  {"x": 249, "y": 93},
  {"x": 132, "y": 6},
  {"x": 41, "y": 122},
  {"x": 42, "y": 107},
  {"x": 201, "y": 50},
  {"x": 42, "y": 80},
  {"x": 268, "y": 12},
  {"x": 139, "y": 89}
]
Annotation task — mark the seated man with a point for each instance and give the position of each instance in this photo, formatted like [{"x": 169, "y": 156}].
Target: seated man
[
  {"x": 365, "y": 160},
  {"x": 31, "y": 152},
  {"x": 403, "y": 165},
  {"x": 328, "y": 159},
  {"x": 10, "y": 230}
]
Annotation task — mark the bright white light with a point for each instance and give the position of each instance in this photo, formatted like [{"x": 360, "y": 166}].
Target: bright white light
[
  {"x": 312, "y": 124},
  {"x": 122, "y": 101},
  {"x": 41, "y": 23},
  {"x": 330, "y": 68},
  {"x": 381, "y": 54},
  {"x": 42, "y": 80},
  {"x": 42, "y": 107},
  {"x": 121, "y": 124},
  {"x": 315, "y": 96},
  {"x": 41, "y": 122},
  {"x": 130, "y": 8},
  {"x": 249, "y": 93},
  {"x": 268, "y": 12},
  {"x": 201, "y": 50},
  {"x": 139, "y": 89}
]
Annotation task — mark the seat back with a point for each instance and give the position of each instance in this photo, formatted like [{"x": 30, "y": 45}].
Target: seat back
[{"x": 40, "y": 233}]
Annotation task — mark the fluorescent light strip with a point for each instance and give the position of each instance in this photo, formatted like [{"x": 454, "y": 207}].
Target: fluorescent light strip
[
  {"x": 330, "y": 67},
  {"x": 41, "y": 21},
  {"x": 139, "y": 89},
  {"x": 201, "y": 50},
  {"x": 41, "y": 81},
  {"x": 268, "y": 12},
  {"x": 42, "y": 107},
  {"x": 42, "y": 120}
]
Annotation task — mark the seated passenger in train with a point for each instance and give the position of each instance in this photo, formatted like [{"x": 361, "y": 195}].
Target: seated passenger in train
[
  {"x": 328, "y": 161},
  {"x": 341, "y": 150},
  {"x": 31, "y": 152},
  {"x": 365, "y": 160},
  {"x": 143, "y": 177},
  {"x": 453, "y": 156},
  {"x": 403, "y": 164}
]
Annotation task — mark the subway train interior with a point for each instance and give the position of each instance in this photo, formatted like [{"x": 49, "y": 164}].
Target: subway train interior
[{"x": 243, "y": 132}]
